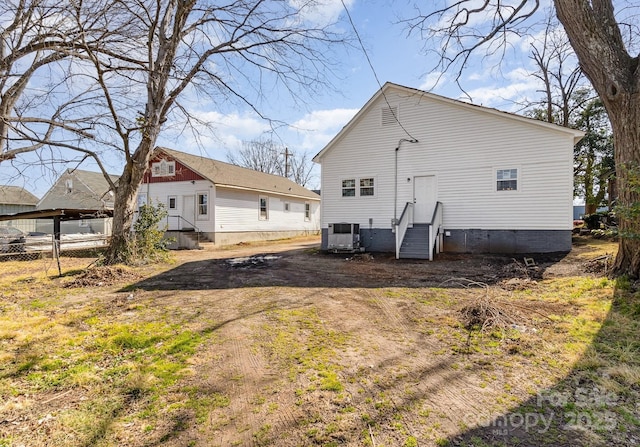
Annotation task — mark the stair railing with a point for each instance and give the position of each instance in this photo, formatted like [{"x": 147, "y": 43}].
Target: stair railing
[
  {"x": 434, "y": 230},
  {"x": 406, "y": 218},
  {"x": 189, "y": 224}
]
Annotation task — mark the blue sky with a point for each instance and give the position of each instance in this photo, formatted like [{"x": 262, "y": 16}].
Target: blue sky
[{"x": 395, "y": 56}]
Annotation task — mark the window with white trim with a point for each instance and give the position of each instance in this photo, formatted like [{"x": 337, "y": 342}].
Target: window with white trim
[
  {"x": 307, "y": 211},
  {"x": 203, "y": 205},
  {"x": 163, "y": 168},
  {"x": 366, "y": 187},
  {"x": 349, "y": 188},
  {"x": 359, "y": 187},
  {"x": 172, "y": 203},
  {"x": 263, "y": 208},
  {"x": 507, "y": 179}
]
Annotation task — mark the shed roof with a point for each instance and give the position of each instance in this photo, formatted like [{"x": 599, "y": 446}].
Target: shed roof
[
  {"x": 63, "y": 214},
  {"x": 577, "y": 134},
  {"x": 16, "y": 195},
  {"x": 232, "y": 176}
]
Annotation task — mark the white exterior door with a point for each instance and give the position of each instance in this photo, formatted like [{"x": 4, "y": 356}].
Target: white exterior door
[
  {"x": 188, "y": 211},
  {"x": 424, "y": 197}
]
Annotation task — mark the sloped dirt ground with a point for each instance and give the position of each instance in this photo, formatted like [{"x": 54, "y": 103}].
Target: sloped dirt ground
[{"x": 307, "y": 348}]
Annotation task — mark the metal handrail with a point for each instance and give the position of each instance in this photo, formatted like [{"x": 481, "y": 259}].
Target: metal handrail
[
  {"x": 195, "y": 227},
  {"x": 436, "y": 221},
  {"x": 406, "y": 218}
]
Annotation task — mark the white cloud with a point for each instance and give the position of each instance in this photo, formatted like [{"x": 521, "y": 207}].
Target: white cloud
[
  {"x": 317, "y": 128},
  {"x": 433, "y": 80},
  {"x": 520, "y": 85},
  {"x": 321, "y": 12}
]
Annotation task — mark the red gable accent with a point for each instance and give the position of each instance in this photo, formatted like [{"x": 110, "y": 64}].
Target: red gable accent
[{"x": 182, "y": 173}]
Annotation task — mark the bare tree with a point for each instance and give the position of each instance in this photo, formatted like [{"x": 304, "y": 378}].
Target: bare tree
[
  {"x": 260, "y": 155},
  {"x": 35, "y": 42},
  {"x": 300, "y": 168},
  {"x": 559, "y": 74},
  {"x": 597, "y": 35},
  {"x": 267, "y": 156},
  {"x": 568, "y": 99},
  {"x": 136, "y": 65}
]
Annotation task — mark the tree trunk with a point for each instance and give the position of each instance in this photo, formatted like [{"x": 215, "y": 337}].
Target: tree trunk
[
  {"x": 626, "y": 135},
  {"x": 126, "y": 201},
  {"x": 596, "y": 38}
]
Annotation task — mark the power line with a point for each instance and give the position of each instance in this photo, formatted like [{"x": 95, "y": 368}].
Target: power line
[{"x": 375, "y": 75}]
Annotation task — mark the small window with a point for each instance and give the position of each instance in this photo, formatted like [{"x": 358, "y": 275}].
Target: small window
[
  {"x": 349, "y": 188},
  {"x": 203, "y": 204},
  {"x": 507, "y": 179},
  {"x": 83, "y": 223},
  {"x": 263, "y": 208},
  {"x": 163, "y": 168},
  {"x": 307, "y": 211},
  {"x": 366, "y": 187},
  {"x": 173, "y": 203},
  {"x": 287, "y": 207},
  {"x": 69, "y": 185}
]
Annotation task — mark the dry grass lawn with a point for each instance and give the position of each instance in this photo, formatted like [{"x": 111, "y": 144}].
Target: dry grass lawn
[{"x": 277, "y": 344}]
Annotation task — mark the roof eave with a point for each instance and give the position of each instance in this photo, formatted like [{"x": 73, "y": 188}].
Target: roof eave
[{"x": 266, "y": 191}]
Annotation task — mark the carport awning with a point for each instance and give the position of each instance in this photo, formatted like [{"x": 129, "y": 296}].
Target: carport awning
[{"x": 62, "y": 214}]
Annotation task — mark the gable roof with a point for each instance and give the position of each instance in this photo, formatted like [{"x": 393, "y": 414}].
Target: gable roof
[
  {"x": 577, "y": 134},
  {"x": 90, "y": 196},
  {"x": 95, "y": 181},
  {"x": 16, "y": 195},
  {"x": 232, "y": 176}
]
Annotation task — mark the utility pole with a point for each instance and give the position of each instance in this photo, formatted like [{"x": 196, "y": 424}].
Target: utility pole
[{"x": 286, "y": 161}]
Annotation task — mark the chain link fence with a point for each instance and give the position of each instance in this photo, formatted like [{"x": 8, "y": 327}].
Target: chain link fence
[{"x": 54, "y": 255}]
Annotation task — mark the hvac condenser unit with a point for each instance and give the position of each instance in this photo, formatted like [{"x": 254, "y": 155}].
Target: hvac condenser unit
[{"x": 343, "y": 237}]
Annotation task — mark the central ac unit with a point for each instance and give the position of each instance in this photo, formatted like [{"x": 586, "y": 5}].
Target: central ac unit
[{"x": 343, "y": 237}]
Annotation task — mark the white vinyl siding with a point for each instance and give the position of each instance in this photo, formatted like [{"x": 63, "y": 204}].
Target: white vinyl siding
[
  {"x": 182, "y": 191},
  {"x": 464, "y": 148},
  {"x": 237, "y": 211},
  {"x": 233, "y": 210}
]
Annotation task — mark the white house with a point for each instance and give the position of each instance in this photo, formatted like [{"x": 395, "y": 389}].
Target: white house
[
  {"x": 417, "y": 173},
  {"x": 225, "y": 203}
]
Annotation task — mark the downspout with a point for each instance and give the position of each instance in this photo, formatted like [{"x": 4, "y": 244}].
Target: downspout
[{"x": 394, "y": 223}]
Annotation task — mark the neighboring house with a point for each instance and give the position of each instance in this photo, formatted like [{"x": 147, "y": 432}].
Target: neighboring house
[
  {"x": 416, "y": 172},
  {"x": 79, "y": 190},
  {"x": 15, "y": 199},
  {"x": 225, "y": 203}
]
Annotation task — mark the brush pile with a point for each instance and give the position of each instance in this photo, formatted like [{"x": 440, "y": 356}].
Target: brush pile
[{"x": 102, "y": 276}]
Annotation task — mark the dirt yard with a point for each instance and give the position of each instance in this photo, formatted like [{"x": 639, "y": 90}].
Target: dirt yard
[{"x": 303, "y": 348}]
